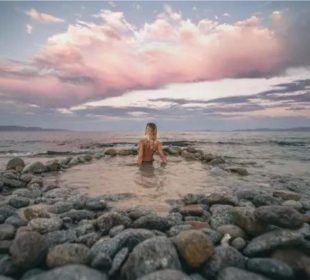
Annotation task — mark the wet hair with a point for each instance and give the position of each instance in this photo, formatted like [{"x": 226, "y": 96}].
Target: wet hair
[{"x": 153, "y": 134}]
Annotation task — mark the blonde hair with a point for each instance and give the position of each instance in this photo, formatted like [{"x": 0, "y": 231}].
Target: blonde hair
[{"x": 150, "y": 133}]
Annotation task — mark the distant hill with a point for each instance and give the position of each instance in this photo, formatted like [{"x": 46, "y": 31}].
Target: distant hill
[
  {"x": 301, "y": 129},
  {"x": 26, "y": 128}
]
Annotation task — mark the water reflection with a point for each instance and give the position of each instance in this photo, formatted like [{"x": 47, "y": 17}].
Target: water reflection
[{"x": 151, "y": 175}]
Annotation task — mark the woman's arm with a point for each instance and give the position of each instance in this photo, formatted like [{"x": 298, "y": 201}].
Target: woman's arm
[
  {"x": 161, "y": 153},
  {"x": 140, "y": 152}
]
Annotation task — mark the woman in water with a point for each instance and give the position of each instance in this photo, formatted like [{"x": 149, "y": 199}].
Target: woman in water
[{"x": 149, "y": 145}]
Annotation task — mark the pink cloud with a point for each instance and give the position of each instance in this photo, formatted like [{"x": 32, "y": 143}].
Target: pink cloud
[{"x": 91, "y": 61}]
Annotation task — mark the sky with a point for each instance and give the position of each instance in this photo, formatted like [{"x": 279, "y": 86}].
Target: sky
[{"x": 185, "y": 65}]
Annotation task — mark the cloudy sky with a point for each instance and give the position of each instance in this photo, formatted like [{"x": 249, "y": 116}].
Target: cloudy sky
[{"x": 116, "y": 65}]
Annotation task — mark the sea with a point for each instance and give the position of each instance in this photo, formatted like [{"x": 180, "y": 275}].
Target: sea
[{"x": 273, "y": 159}]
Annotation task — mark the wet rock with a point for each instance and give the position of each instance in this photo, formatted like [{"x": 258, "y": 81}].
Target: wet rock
[
  {"x": 238, "y": 243},
  {"x": 11, "y": 180},
  {"x": 198, "y": 224},
  {"x": 35, "y": 211},
  {"x": 116, "y": 230},
  {"x": 152, "y": 222},
  {"x": 7, "y": 231},
  {"x": 44, "y": 225},
  {"x": 15, "y": 163},
  {"x": 23, "y": 192},
  {"x": 85, "y": 226},
  {"x": 305, "y": 230},
  {"x": 165, "y": 274},
  {"x": 174, "y": 151},
  {"x": 60, "y": 236},
  {"x": 271, "y": 240},
  {"x": 124, "y": 152},
  {"x": 174, "y": 230},
  {"x": 102, "y": 261},
  {"x": 270, "y": 267},
  {"x": 287, "y": 195},
  {"x": 213, "y": 235},
  {"x": 31, "y": 272},
  {"x": 233, "y": 273},
  {"x": 127, "y": 238},
  {"x": 293, "y": 203},
  {"x": 150, "y": 255},
  {"x": 193, "y": 209},
  {"x": 194, "y": 198},
  {"x": 118, "y": 260},
  {"x": 35, "y": 167},
  {"x": 52, "y": 165},
  {"x": 222, "y": 215},
  {"x": 246, "y": 220},
  {"x": 4, "y": 246},
  {"x": 233, "y": 230},
  {"x": 74, "y": 161},
  {"x": 71, "y": 272},
  {"x": 189, "y": 156},
  {"x": 78, "y": 215},
  {"x": 60, "y": 207},
  {"x": 111, "y": 219},
  {"x": 89, "y": 239},
  {"x": 305, "y": 203},
  {"x": 19, "y": 202},
  {"x": 7, "y": 211},
  {"x": 95, "y": 203},
  {"x": 223, "y": 256},
  {"x": 207, "y": 157},
  {"x": 222, "y": 198},
  {"x": 296, "y": 259},
  {"x": 7, "y": 267},
  {"x": 110, "y": 152},
  {"x": 174, "y": 218},
  {"x": 138, "y": 211},
  {"x": 78, "y": 201},
  {"x": 258, "y": 198},
  {"x": 217, "y": 161},
  {"x": 194, "y": 247},
  {"x": 68, "y": 253},
  {"x": 281, "y": 216},
  {"x": 238, "y": 170},
  {"x": 28, "y": 249}
]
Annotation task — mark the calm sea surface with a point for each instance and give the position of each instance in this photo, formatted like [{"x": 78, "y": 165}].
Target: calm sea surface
[{"x": 275, "y": 160}]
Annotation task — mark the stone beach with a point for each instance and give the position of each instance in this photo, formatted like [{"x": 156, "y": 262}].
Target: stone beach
[{"x": 51, "y": 232}]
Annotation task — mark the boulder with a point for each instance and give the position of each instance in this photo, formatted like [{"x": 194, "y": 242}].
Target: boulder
[
  {"x": 223, "y": 256},
  {"x": 15, "y": 163},
  {"x": 44, "y": 225},
  {"x": 271, "y": 240},
  {"x": 35, "y": 167},
  {"x": 194, "y": 247},
  {"x": 149, "y": 256},
  {"x": 7, "y": 231},
  {"x": 270, "y": 267},
  {"x": 110, "y": 219},
  {"x": 166, "y": 274},
  {"x": 71, "y": 272},
  {"x": 152, "y": 222},
  {"x": 282, "y": 216},
  {"x": 287, "y": 195},
  {"x": 28, "y": 249},
  {"x": 234, "y": 273},
  {"x": 19, "y": 202},
  {"x": 68, "y": 253}
]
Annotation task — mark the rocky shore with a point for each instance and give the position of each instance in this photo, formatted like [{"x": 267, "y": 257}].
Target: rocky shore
[{"x": 50, "y": 232}]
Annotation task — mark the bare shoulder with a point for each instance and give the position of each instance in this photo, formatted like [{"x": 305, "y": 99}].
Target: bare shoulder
[{"x": 141, "y": 141}]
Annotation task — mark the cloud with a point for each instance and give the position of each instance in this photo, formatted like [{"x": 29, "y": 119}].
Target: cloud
[
  {"x": 29, "y": 28},
  {"x": 95, "y": 60},
  {"x": 42, "y": 17}
]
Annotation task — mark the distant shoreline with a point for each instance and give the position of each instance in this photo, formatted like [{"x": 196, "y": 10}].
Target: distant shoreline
[{"x": 9, "y": 128}]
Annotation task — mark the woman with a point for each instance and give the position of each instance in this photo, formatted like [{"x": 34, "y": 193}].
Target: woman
[{"x": 149, "y": 145}]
